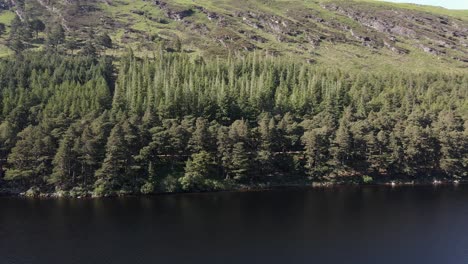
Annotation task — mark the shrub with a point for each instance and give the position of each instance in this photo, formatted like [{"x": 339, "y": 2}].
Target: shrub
[
  {"x": 78, "y": 192},
  {"x": 147, "y": 188},
  {"x": 367, "y": 179},
  {"x": 32, "y": 192},
  {"x": 101, "y": 188},
  {"x": 171, "y": 183}
]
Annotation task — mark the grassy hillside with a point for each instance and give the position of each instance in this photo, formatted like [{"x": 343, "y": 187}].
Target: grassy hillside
[
  {"x": 462, "y": 14},
  {"x": 363, "y": 34}
]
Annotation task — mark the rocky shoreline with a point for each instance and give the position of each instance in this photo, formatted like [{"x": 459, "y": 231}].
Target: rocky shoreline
[{"x": 36, "y": 193}]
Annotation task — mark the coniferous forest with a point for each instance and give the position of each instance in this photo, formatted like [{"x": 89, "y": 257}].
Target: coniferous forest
[{"x": 170, "y": 122}]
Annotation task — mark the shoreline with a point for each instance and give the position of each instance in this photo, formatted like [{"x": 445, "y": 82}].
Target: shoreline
[{"x": 11, "y": 192}]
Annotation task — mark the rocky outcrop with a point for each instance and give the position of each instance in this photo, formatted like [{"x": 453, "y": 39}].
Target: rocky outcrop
[
  {"x": 431, "y": 33},
  {"x": 267, "y": 25},
  {"x": 212, "y": 16},
  {"x": 6, "y": 4},
  {"x": 54, "y": 11},
  {"x": 16, "y": 6},
  {"x": 173, "y": 12},
  {"x": 270, "y": 23}
]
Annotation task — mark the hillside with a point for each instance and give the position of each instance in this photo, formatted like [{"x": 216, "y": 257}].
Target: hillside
[
  {"x": 357, "y": 34},
  {"x": 109, "y": 97}
]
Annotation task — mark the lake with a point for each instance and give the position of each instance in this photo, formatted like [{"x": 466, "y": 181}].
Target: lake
[{"x": 337, "y": 225}]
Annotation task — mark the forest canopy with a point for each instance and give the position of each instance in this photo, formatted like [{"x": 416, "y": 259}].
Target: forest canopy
[{"x": 172, "y": 122}]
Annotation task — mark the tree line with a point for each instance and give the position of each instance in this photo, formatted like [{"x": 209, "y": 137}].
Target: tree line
[
  {"x": 172, "y": 122},
  {"x": 32, "y": 30}
]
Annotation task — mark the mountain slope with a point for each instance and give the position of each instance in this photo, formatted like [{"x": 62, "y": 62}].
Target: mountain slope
[{"x": 364, "y": 34}]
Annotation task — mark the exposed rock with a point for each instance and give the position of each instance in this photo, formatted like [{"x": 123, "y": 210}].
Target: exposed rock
[
  {"x": 210, "y": 15},
  {"x": 253, "y": 36},
  {"x": 271, "y": 23},
  {"x": 394, "y": 48},
  {"x": 55, "y": 11},
  {"x": 201, "y": 29},
  {"x": 245, "y": 26},
  {"x": 6, "y": 4},
  {"x": 314, "y": 40},
  {"x": 172, "y": 12},
  {"x": 415, "y": 25},
  {"x": 462, "y": 59},
  {"x": 431, "y": 50},
  {"x": 138, "y": 12}
]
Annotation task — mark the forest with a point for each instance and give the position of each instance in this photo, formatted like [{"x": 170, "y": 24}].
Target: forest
[{"x": 83, "y": 124}]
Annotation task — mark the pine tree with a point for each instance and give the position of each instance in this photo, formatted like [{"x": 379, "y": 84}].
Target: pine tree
[
  {"x": 91, "y": 148},
  {"x": 30, "y": 159},
  {"x": 111, "y": 175},
  {"x": 198, "y": 168},
  {"x": 377, "y": 151},
  {"x": 19, "y": 35},
  {"x": 65, "y": 162},
  {"x": 343, "y": 142},
  {"x": 316, "y": 144},
  {"x": 419, "y": 150},
  {"x": 37, "y": 25},
  {"x": 265, "y": 154},
  {"x": 224, "y": 149},
  {"x": 201, "y": 138},
  {"x": 240, "y": 165},
  {"x": 453, "y": 144},
  {"x": 397, "y": 156},
  {"x": 133, "y": 145}
]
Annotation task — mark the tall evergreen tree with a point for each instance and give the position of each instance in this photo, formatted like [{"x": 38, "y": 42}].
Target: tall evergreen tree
[
  {"x": 201, "y": 138},
  {"x": 239, "y": 166},
  {"x": 266, "y": 149},
  {"x": 30, "y": 159},
  {"x": 110, "y": 176},
  {"x": 453, "y": 144},
  {"x": 65, "y": 162},
  {"x": 343, "y": 142},
  {"x": 316, "y": 144}
]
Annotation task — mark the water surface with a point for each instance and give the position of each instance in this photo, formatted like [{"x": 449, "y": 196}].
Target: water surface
[{"x": 339, "y": 225}]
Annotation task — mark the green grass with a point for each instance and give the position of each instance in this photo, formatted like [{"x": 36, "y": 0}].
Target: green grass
[
  {"x": 134, "y": 30},
  {"x": 462, "y": 14},
  {"x": 6, "y": 17},
  {"x": 344, "y": 55}
]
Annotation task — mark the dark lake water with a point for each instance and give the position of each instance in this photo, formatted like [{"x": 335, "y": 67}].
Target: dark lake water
[{"x": 338, "y": 225}]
